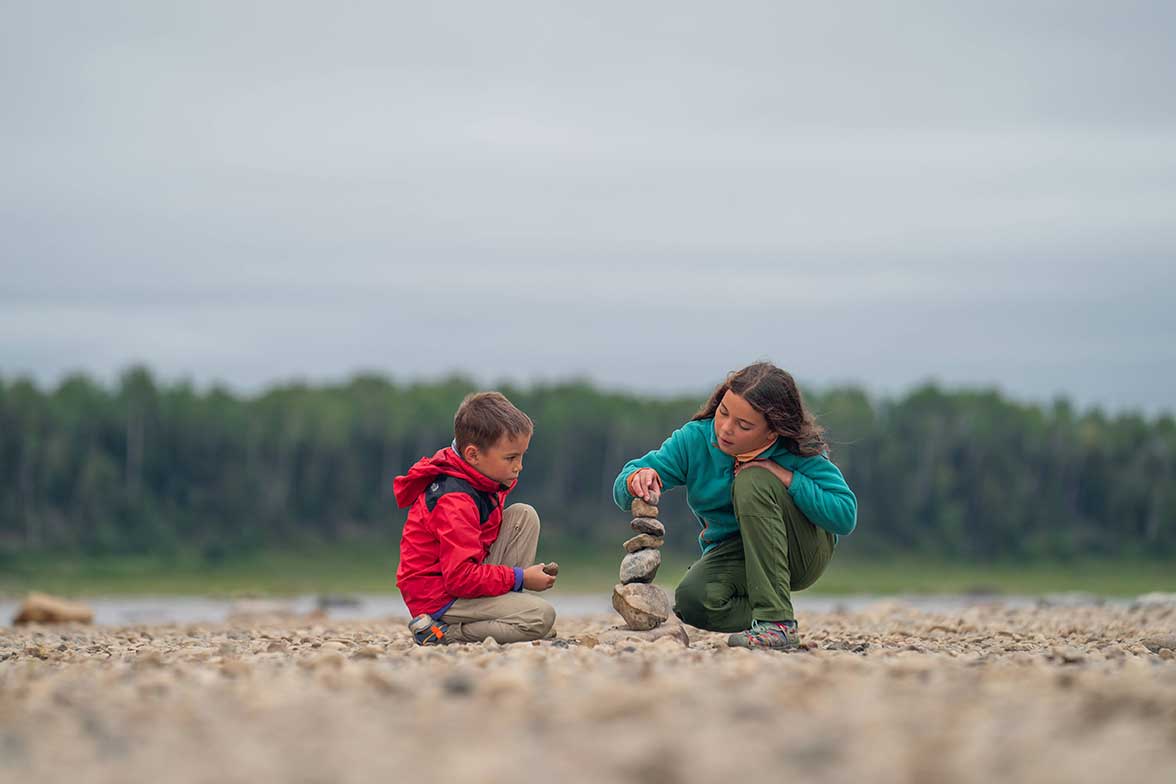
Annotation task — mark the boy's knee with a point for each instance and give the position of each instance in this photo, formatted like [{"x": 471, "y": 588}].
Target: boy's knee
[
  {"x": 524, "y": 514},
  {"x": 539, "y": 620}
]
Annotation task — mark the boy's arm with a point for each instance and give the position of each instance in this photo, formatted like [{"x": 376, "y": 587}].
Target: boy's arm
[
  {"x": 820, "y": 491},
  {"x": 670, "y": 462},
  {"x": 462, "y": 571}
]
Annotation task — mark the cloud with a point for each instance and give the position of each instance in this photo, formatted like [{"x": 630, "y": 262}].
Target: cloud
[{"x": 871, "y": 193}]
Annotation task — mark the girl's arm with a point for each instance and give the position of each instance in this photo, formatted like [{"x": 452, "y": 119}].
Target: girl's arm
[
  {"x": 820, "y": 491},
  {"x": 669, "y": 461}
]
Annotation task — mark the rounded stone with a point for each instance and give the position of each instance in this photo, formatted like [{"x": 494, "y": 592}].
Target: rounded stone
[
  {"x": 643, "y": 606},
  {"x": 551, "y": 568},
  {"x": 640, "y": 567}
]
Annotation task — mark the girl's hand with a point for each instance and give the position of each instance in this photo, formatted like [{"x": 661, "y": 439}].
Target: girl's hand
[
  {"x": 777, "y": 470},
  {"x": 645, "y": 484}
]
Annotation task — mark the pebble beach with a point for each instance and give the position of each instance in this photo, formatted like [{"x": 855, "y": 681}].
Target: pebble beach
[{"x": 886, "y": 693}]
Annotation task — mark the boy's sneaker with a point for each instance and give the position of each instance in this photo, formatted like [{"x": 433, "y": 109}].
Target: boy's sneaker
[
  {"x": 426, "y": 631},
  {"x": 771, "y": 635}
]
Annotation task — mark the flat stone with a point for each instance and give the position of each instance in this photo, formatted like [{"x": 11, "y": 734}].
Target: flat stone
[
  {"x": 43, "y": 608},
  {"x": 1156, "y": 644},
  {"x": 643, "y": 606},
  {"x": 551, "y": 568},
  {"x": 641, "y": 508},
  {"x": 671, "y": 629},
  {"x": 640, "y": 567},
  {"x": 648, "y": 525},
  {"x": 643, "y": 542}
]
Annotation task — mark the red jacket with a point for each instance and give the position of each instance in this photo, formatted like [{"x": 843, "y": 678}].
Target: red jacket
[{"x": 455, "y": 517}]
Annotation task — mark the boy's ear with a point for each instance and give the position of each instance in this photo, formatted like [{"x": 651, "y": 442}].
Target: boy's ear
[{"x": 470, "y": 453}]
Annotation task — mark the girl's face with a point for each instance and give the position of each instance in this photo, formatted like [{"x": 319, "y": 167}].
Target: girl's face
[{"x": 740, "y": 428}]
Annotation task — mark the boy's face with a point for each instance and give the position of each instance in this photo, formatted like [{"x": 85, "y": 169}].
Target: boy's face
[{"x": 503, "y": 460}]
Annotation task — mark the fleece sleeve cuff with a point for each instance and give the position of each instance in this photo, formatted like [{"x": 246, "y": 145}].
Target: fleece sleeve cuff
[{"x": 518, "y": 586}]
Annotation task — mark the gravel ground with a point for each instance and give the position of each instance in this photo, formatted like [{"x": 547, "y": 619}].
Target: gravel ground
[{"x": 888, "y": 694}]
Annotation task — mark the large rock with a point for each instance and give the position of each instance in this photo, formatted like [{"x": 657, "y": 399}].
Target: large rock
[
  {"x": 643, "y": 542},
  {"x": 672, "y": 629},
  {"x": 643, "y": 606},
  {"x": 1159, "y": 642},
  {"x": 647, "y": 525},
  {"x": 642, "y": 509},
  {"x": 640, "y": 567},
  {"x": 42, "y": 608}
]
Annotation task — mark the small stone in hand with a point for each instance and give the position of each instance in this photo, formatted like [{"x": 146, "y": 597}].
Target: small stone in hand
[{"x": 551, "y": 568}]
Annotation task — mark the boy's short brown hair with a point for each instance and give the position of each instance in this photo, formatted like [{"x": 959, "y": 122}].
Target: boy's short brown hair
[{"x": 483, "y": 418}]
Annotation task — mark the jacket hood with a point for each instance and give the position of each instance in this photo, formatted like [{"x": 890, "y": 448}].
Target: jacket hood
[{"x": 408, "y": 488}]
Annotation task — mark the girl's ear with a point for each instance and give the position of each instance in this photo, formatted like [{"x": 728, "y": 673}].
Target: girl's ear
[{"x": 470, "y": 453}]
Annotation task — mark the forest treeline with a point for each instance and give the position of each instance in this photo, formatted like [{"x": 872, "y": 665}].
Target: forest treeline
[{"x": 144, "y": 466}]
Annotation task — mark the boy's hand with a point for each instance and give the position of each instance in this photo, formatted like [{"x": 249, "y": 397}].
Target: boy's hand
[
  {"x": 535, "y": 579},
  {"x": 646, "y": 485}
]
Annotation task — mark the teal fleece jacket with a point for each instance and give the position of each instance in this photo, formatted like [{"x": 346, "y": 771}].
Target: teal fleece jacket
[{"x": 691, "y": 457}]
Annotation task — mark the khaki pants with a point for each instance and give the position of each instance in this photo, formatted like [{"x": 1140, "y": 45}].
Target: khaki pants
[{"x": 512, "y": 617}]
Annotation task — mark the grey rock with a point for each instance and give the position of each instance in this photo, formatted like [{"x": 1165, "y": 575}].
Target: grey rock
[
  {"x": 1156, "y": 644},
  {"x": 640, "y": 567},
  {"x": 642, "y": 509},
  {"x": 648, "y": 525},
  {"x": 643, "y": 542},
  {"x": 643, "y": 606},
  {"x": 551, "y": 569}
]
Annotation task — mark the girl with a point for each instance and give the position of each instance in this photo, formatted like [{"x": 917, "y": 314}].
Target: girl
[{"x": 770, "y": 503}]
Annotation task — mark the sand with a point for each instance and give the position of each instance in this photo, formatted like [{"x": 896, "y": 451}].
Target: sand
[{"x": 889, "y": 694}]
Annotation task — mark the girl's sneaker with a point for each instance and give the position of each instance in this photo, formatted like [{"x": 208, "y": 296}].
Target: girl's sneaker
[
  {"x": 426, "y": 631},
  {"x": 772, "y": 635}
]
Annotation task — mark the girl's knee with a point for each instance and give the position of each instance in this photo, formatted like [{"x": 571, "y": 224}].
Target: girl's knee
[
  {"x": 688, "y": 605},
  {"x": 755, "y": 483}
]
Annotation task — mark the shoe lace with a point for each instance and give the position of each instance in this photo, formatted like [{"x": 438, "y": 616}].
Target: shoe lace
[{"x": 761, "y": 629}]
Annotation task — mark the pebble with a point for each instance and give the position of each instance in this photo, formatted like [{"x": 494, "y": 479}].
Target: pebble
[
  {"x": 1155, "y": 644},
  {"x": 640, "y": 567},
  {"x": 648, "y": 525},
  {"x": 643, "y": 542},
  {"x": 642, "y": 508}
]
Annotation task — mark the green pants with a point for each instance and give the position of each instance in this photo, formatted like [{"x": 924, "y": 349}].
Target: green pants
[{"x": 752, "y": 576}]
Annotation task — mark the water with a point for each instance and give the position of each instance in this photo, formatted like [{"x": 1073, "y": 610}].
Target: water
[{"x": 132, "y": 610}]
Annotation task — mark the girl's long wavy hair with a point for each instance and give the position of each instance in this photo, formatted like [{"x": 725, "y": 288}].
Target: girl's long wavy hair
[{"x": 773, "y": 392}]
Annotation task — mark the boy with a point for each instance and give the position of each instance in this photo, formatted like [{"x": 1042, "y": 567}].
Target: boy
[{"x": 464, "y": 560}]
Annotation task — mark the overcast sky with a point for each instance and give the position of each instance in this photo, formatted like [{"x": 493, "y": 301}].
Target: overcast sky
[{"x": 646, "y": 194}]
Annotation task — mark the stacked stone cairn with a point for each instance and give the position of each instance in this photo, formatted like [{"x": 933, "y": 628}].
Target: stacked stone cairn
[{"x": 643, "y": 606}]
